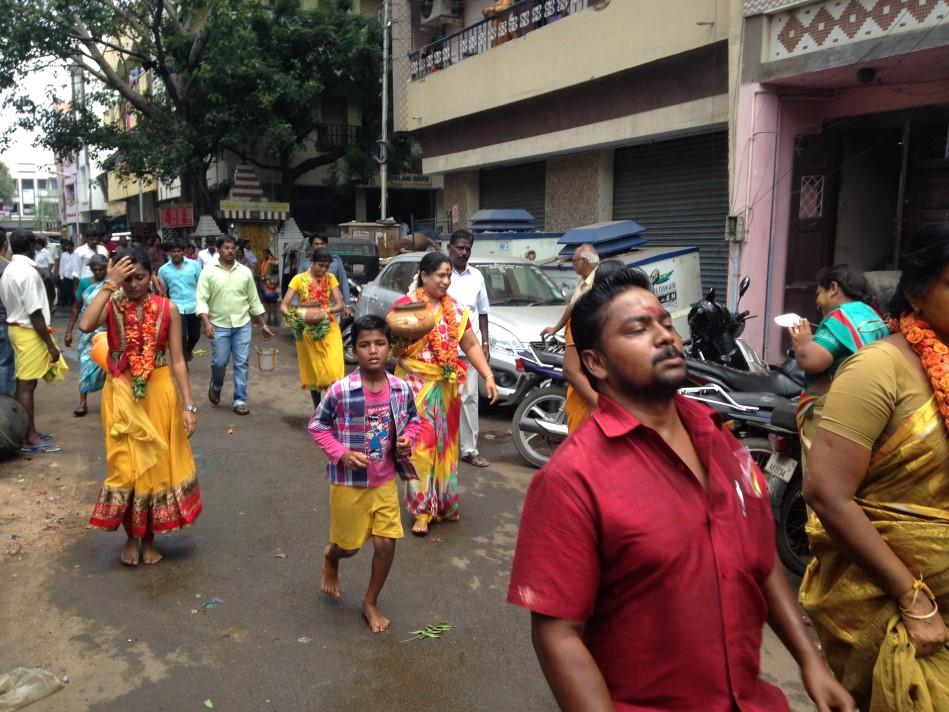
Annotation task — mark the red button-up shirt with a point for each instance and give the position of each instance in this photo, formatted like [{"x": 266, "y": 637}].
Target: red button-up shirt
[{"x": 617, "y": 532}]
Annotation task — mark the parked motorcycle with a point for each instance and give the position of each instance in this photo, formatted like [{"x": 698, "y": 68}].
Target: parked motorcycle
[
  {"x": 765, "y": 423},
  {"x": 540, "y": 421}
]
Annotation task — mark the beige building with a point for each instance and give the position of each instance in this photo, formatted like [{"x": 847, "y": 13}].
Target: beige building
[{"x": 579, "y": 111}]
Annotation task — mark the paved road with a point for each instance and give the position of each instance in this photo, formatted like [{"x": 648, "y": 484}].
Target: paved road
[{"x": 140, "y": 639}]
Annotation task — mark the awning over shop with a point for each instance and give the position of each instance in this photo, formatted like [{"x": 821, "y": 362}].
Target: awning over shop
[
  {"x": 253, "y": 210},
  {"x": 609, "y": 238}
]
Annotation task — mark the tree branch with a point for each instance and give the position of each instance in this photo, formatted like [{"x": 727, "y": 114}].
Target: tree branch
[
  {"x": 244, "y": 156},
  {"x": 162, "y": 67},
  {"x": 111, "y": 77},
  {"x": 314, "y": 162}
]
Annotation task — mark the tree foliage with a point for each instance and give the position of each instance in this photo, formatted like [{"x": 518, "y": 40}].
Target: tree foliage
[
  {"x": 7, "y": 185},
  {"x": 219, "y": 75}
]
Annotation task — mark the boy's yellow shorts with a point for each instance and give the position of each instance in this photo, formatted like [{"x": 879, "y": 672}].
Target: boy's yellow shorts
[{"x": 356, "y": 513}]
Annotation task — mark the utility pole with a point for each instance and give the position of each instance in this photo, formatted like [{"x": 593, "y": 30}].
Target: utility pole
[{"x": 384, "y": 167}]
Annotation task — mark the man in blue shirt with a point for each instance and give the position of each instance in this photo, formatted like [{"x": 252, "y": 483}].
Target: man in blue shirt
[
  {"x": 180, "y": 276},
  {"x": 337, "y": 268}
]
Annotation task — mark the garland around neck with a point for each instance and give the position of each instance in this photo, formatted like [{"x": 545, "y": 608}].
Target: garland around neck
[{"x": 934, "y": 355}]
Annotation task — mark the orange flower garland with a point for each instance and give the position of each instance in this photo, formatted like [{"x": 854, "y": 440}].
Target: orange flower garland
[
  {"x": 446, "y": 353},
  {"x": 318, "y": 291},
  {"x": 141, "y": 338},
  {"x": 934, "y": 355}
]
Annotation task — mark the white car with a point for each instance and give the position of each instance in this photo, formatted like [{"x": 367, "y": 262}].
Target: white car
[{"x": 523, "y": 301}]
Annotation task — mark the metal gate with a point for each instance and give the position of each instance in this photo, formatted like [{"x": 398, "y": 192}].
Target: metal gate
[
  {"x": 678, "y": 190},
  {"x": 521, "y": 186}
]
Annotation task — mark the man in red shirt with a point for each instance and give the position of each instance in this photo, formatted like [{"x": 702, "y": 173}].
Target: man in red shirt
[{"x": 646, "y": 547}]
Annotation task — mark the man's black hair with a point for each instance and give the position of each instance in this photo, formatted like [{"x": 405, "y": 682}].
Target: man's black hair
[
  {"x": 224, "y": 239},
  {"x": 316, "y": 236},
  {"x": 369, "y": 322},
  {"x": 461, "y": 234},
  {"x": 176, "y": 244},
  {"x": 589, "y": 313},
  {"x": 21, "y": 240}
]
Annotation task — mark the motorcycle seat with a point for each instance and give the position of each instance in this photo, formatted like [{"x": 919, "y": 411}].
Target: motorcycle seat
[
  {"x": 549, "y": 358},
  {"x": 775, "y": 382}
]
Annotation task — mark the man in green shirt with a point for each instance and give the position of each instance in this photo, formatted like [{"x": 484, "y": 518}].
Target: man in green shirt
[{"x": 227, "y": 302}]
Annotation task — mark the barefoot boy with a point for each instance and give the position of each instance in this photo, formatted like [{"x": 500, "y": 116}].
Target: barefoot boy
[{"x": 366, "y": 424}]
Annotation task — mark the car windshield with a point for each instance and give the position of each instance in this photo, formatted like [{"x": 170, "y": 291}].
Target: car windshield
[{"x": 518, "y": 285}]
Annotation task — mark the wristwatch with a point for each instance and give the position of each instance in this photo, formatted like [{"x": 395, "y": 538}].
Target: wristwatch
[{"x": 191, "y": 408}]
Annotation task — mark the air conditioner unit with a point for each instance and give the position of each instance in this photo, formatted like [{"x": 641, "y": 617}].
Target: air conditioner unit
[{"x": 436, "y": 13}]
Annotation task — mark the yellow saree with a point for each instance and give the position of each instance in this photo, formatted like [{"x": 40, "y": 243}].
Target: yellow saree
[{"x": 905, "y": 495}]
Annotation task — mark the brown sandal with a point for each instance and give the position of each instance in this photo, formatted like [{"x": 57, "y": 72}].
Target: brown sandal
[{"x": 476, "y": 460}]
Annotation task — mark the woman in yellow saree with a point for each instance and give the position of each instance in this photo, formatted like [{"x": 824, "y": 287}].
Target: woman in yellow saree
[
  {"x": 878, "y": 482},
  {"x": 319, "y": 346},
  {"x": 432, "y": 368},
  {"x": 151, "y": 486}
]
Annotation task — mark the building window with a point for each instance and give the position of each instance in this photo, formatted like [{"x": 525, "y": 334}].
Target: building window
[
  {"x": 41, "y": 184},
  {"x": 812, "y": 198}
]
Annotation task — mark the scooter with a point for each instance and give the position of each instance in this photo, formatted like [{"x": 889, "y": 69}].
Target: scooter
[
  {"x": 540, "y": 420},
  {"x": 766, "y": 424}
]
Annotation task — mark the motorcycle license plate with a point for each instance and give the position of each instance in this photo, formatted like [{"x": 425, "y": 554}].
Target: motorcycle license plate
[{"x": 781, "y": 466}]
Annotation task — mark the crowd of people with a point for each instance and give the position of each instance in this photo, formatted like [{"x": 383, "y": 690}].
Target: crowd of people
[{"x": 651, "y": 517}]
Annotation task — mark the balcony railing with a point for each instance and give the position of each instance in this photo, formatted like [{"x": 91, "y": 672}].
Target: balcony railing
[
  {"x": 516, "y": 21},
  {"x": 331, "y": 137}
]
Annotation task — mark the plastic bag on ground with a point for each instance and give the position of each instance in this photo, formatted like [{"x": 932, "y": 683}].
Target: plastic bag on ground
[{"x": 23, "y": 686}]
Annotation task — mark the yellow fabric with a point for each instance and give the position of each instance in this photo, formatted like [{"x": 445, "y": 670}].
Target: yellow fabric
[
  {"x": 32, "y": 358},
  {"x": 145, "y": 441},
  {"x": 321, "y": 362},
  {"x": 130, "y": 423},
  {"x": 356, "y": 513},
  {"x": 875, "y": 391},
  {"x": 905, "y": 495},
  {"x": 577, "y": 407}
]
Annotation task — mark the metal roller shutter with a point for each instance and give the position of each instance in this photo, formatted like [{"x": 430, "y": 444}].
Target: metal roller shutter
[
  {"x": 521, "y": 186},
  {"x": 678, "y": 190}
]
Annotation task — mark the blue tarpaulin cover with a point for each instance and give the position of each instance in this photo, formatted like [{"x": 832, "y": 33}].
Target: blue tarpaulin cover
[{"x": 609, "y": 238}]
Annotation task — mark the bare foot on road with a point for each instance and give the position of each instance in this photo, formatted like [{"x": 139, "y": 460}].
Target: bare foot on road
[
  {"x": 130, "y": 553},
  {"x": 378, "y": 623},
  {"x": 329, "y": 582},
  {"x": 150, "y": 554}
]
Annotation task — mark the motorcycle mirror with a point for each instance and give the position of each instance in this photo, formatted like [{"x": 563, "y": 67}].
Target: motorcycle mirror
[
  {"x": 743, "y": 286},
  {"x": 710, "y": 295}
]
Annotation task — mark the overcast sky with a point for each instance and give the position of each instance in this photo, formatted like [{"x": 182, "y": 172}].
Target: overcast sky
[{"x": 21, "y": 149}]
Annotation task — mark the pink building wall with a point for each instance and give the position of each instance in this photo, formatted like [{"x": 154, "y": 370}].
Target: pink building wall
[{"x": 767, "y": 122}]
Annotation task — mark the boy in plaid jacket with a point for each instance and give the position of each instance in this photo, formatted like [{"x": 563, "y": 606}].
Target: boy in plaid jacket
[{"x": 366, "y": 425}]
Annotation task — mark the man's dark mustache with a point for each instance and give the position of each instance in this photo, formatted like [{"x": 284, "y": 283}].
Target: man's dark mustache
[{"x": 667, "y": 353}]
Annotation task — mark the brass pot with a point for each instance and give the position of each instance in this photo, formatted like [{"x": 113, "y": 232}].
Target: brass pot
[
  {"x": 410, "y": 321},
  {"x": 311, "y": 315}
]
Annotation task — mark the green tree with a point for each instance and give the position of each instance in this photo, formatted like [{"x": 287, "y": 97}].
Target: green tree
[
  {"x": 221, "y": 75},
  {"x": 7, "y": 185},
  {"x": 46, "y": 214}
]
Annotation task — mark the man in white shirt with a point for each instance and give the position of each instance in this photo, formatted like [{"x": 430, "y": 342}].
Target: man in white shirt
[
  {"x": 585, "y": 261},
  {"x": 467, "y": 287},
  {"x": 209, "y": 255},
  {"x": 28, "y": 317},
  {"x": 83, "y": 254},
  {"x": 65, "y": 271}
]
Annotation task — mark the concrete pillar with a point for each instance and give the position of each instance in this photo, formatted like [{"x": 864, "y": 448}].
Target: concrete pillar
[
  {"x": 360, "y": 205},
  {"x": 462, "y": 189},
  {"x": 578, "y": 190}
]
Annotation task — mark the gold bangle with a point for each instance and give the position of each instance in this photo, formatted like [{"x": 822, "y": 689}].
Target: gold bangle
[
  {"x": 109, "y": 286},
  {"x": 919, "y": 585}
]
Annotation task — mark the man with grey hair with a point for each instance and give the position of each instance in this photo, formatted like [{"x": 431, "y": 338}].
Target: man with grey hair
[{"x": 585, "y": 261}]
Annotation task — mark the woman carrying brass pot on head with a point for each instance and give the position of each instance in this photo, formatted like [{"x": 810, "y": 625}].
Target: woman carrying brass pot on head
[
  {"x": 315, "y": 324},
  {"x": 878, "y": 482},
  {"x": 432, "y": 366}
]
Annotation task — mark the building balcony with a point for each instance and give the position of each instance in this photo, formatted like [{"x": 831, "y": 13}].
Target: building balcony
[
  {"x": 518, "y": 20},
  {"x": 538, "y": 47},
  {"x": 333, "y": 137}
]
